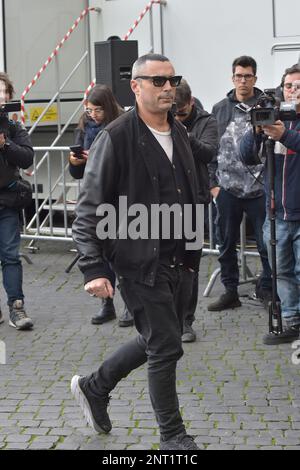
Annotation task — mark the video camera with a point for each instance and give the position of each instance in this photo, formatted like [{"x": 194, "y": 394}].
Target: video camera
[
  {"x": 5, "y": 123},
  {"x": 268, "y": 109}
]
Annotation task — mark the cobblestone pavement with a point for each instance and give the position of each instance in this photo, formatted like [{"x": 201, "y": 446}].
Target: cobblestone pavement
[{"x": 235, "y": 393}]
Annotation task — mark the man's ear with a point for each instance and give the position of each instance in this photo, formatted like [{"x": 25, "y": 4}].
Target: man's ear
[{"x": 135, "y": 86}]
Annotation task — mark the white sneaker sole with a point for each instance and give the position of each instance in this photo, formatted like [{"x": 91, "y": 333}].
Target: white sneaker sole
[
  {"x": 84, "y": 404},
  {"x": 26, "y": 326}
]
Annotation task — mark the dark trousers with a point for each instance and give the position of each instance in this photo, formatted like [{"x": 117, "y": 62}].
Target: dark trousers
[
  {"x": 229, "y": 218},
  {"x": 157, "y": 315},
  {"x": 189, "y": 311},
  {"x": 190, "y": 283},
  {"x": 9, "y": 254}
]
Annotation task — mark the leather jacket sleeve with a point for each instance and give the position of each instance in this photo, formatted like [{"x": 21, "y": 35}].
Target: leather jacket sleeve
[
  {"x": 205, "y": 144},
  {"x": 98, "y": 187},
  {"x": 18, "y": 149}
]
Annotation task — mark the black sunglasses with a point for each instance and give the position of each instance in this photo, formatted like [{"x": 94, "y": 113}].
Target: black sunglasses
[{"x": 160, "y": 81}]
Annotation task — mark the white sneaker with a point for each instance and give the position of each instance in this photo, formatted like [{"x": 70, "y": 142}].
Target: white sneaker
[{"x": 18, "y": 317}]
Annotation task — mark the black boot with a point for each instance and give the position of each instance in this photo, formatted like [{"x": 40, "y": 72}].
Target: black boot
[
  {"x": 107, "y": 312},
  {"x": 228, "y": 300},
  {"x": 126, "y": 319},
  {"x": 188, "y": 335}
]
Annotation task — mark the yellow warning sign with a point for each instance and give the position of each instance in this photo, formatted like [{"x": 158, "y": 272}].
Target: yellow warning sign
[{"x": 50, "y": 116}]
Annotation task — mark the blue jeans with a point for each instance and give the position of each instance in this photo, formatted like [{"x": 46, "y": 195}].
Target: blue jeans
[
  {"x": 9, "y": 254},
  {"x": 229, "y": 218},
  {"x": 288, "y": 266}
]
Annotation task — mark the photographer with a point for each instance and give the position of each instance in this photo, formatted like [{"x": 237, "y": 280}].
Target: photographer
[
  {"x": 287, "y": 203},
  {"x": 236, "y": 188},
  {"x": 15, "y": 152}
]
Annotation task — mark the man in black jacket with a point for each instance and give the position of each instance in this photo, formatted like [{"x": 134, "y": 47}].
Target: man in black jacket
[
  {"x": 203, "y": 136},
  {"x": 144, "y": 156},
  {"x": 15, "y": 152}
]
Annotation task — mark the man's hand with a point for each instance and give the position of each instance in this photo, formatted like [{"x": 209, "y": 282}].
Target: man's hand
[
  {"x": 215, "y": 192},
  {"x": 275, "y": 131},
  {"x": 100, "y": 287},
  {"x": 2, "y": 140}
]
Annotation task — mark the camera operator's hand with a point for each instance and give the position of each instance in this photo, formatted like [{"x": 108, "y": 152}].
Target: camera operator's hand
[
  {"x": 215, "y": 192},
  {"x": 2, "y": 140},
  {"x": 275, "y": 131}
]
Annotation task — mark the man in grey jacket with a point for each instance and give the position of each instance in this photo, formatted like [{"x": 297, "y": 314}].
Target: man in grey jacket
[{"x": 236, "y": 187}]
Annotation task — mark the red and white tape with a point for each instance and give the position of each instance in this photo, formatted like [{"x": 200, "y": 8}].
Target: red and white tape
[
  {"x": 135, "y": 24},
  {"x": 50, "y": 58},
  {"x": 147, "y": 8}
]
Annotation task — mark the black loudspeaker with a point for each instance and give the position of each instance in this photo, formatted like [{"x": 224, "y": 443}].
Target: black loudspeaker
[{"x": 114, "y": 60}]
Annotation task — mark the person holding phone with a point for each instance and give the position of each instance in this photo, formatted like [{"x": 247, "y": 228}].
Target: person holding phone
[{"x": 101, "y": 109}]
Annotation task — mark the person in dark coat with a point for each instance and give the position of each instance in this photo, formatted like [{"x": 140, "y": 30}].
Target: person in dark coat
[
  {"x": 15, "y": 152},
  {"x": 203, "y": 136}
]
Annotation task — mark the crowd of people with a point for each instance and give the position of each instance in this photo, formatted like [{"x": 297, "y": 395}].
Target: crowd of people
[{"x": 181, "y": 158}]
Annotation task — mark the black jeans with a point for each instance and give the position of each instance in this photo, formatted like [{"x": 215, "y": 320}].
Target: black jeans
[
  {"x": 190, "y": 283},
  {"x": 157, "y": 315},
  {"x": 229, "y": 218}
]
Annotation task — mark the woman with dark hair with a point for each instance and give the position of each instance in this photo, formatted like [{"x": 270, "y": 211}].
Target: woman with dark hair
[{"x": 101, "y": 109}]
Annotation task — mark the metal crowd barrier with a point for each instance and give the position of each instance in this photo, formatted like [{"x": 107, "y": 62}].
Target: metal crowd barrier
[
  {"x": 246, "y": 275},
  {"x": 51, "y": 170}
]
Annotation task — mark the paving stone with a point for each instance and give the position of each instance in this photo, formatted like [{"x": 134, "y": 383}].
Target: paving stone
[{"x": 16, "y": 446}]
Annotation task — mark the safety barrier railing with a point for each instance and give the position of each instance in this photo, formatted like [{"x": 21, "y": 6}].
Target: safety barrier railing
[
  {"x": 246, "y": 275},
  {"x": 54, "y": 200},
  {"x": 147, "y": 9}
]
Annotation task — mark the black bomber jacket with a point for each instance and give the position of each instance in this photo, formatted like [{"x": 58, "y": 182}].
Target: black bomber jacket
[{"x": 120, "y": 164}]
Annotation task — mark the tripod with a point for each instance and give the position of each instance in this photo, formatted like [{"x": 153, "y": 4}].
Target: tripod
[
  {"x": 275, "y": 318},
  {"x": 72, "y": 264}
]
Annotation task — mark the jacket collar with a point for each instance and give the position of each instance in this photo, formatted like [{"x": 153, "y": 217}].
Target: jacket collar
[{"x": 232, "y": 96}]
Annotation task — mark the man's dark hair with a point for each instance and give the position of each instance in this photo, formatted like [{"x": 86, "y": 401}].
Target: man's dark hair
[
  {"x": 290, "y": 70},
  {"x": 8, "y": 83},
  {"x": 145, "y": 58},
  {"x": 183, "y": 94},
  {"x": 244, "y": 61}
]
